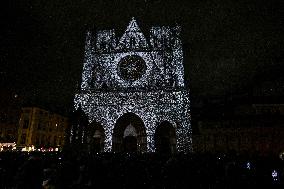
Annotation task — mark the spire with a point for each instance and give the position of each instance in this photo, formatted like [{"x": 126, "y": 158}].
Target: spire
[
  {"x": 132, "y": 26},
  {"x": 87, "y": 68}
]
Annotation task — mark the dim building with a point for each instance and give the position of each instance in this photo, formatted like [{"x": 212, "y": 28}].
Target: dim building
[
  {"x": 41, "y": 128},
  {"x": 251, "y": 129},
  {"x": 10, "y": 109}
]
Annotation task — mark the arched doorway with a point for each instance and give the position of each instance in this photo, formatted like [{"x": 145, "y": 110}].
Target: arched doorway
[
  {"x": 165, "y": 138},
  {"x": 95, "y": 137},
  {"x": 129, "y": 134}
]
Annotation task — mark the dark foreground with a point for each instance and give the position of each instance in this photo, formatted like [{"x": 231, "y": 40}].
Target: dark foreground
[{"x": 66, "y": 170}]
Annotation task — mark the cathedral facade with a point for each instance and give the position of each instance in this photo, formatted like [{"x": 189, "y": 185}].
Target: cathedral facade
[{"x": 133, "y": 90}]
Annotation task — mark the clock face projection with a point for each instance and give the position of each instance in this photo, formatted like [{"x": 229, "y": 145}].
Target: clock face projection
[{"x": 131, "y": 68}]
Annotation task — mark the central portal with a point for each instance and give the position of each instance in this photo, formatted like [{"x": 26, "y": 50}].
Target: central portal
[{"x": 129, "y": 134}]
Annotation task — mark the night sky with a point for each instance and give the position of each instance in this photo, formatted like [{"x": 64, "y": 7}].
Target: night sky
[{"x": 229, "y": 46}]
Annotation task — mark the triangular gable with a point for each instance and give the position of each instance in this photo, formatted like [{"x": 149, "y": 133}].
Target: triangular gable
[
  {"x": 133, "y": 38},
  {"x": 129, "y": 131}
]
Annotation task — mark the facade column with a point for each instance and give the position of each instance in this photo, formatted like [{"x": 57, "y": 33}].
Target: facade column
[
  {"x": 150, "y": 143},
  {"x": 184, "y": 139}
]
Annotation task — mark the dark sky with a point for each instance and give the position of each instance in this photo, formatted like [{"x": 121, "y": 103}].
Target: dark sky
[{"x": 229, "y": 46}]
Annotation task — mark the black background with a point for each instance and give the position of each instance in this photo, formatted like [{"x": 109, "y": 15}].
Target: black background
[{"x": 229, "y": 46}]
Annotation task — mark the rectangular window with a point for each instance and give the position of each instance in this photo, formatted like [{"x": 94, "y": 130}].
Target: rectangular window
[
  {"x": 38, "y": 126},
  {"x": 37, "y": 140},
  {"x": 48, "y": 140},
  {"x": 23, "y": 139},
  {"x": 26, "y": 124},
  {"x": 43, "y": 140},
  {"x": 55, "y": 141},
  {"x": 132, "y": 42}
]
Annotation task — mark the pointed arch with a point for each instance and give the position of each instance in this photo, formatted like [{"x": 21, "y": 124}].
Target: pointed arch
[
  {"x": 95, "y": 137},
  {"x": 165, "y": 138},
  {"x": 129, "y": 134}
]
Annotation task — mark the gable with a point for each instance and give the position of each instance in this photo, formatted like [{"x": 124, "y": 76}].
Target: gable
[{"x": 133, "y": 38}]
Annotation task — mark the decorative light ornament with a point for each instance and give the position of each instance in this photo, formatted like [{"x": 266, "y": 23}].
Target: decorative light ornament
[{"x": 150, "y": 86}]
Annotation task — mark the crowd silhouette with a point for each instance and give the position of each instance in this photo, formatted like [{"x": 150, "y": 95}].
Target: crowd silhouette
[{"x": 130, "y": 170}]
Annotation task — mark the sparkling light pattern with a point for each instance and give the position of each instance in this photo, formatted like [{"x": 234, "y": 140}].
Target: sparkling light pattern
[
  {"x": 274, "y": 175},
  {"x": 158, "y": 95}
]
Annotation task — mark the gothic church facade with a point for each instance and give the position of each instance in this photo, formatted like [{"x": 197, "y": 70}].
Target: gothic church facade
[{"x": 133, "y": 90}]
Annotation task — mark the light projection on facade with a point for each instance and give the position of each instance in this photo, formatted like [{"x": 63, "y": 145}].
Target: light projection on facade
[{"x": 139, "y": 79}]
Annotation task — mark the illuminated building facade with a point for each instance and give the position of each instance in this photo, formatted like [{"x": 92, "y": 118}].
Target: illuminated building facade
[
  {"x": 10, "y": 109},
  {"x": 133, "y": 90},
  {"x": 41, "y": 128},
  {"x": 9, "y": 117}
]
